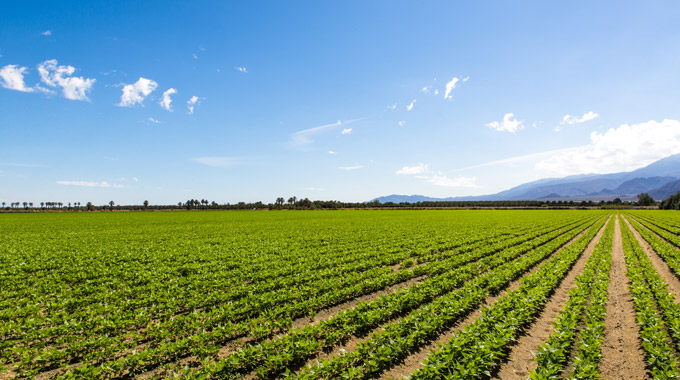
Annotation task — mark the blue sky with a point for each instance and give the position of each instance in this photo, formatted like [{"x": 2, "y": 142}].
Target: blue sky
[{"x": 328, "y": 100}]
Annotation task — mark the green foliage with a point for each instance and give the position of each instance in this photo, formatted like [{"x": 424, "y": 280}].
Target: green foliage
[
  {"x": 671, "y": 203},
  {"x": 645, "y": 199}
]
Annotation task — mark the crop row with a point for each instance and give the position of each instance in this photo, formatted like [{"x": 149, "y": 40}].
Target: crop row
[
  {"x": 586, "y": 303},
  {"x": 653, "y": 305},
  {"x": 478, "y": 348}
]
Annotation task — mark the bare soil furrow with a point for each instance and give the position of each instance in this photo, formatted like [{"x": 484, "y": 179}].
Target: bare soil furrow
[{"x": 622, "y": 355}]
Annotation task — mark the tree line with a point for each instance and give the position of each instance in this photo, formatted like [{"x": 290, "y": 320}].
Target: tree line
[{"x": 294, "y": 203}]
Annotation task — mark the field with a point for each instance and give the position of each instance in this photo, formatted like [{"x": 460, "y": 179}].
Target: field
[{"x": 543, "y": 294}]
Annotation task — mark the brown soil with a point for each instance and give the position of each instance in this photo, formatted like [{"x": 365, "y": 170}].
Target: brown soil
[
  {"x": 325, "y": 314},
  {"x": 521, "y": 359},
  {"x": 415, "y": 361},
  {"x": 622, "y": 356},
  {"x": 658, "y": 263}
]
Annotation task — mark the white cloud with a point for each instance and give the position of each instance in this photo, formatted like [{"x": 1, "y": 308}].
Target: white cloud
[
  {"x": 442, "y": 180},
  {"x": 47, "y": 33},
  {"x": 137, "y": 92},
  {"x": 221, "y": 162},
  {"x": 194, "y": 55},
  {"x": 426, "y": 89},
  {"x": 332, "y": 152},
  {"x": 465, "y": 79},
  {"x": 194, "y": 101},
  {"x": 509, "y": 124},
  {"x": 436, "y": 91},
  {"x": 625, "y": 148},
  {"x": 449, "y": 87},
  {"x": 166, "y": 103},
  {"x": 410, "y": 106},
  {"x": 401, "y": 123},
  {"x": 346, "y": 131},
  {"x": 571, "y": 120},
  {"x": 241, "y": 69},
  {"x": 412, "y": 170},
  {"x": 74, "y": 88},
  {"x": 90, "y": 184},
  {"x": 152, "y": 120},
  {"x": 392, "y": 107},
  {"x": 13, "y": 78},
  {"x": 350, "y": 167}
]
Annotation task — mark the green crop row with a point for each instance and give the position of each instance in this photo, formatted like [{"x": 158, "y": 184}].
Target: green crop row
[
  {"x": 645, "y": 285},
  {"x": 588, "y": 298},
  {"x": 479, "y": 348}
]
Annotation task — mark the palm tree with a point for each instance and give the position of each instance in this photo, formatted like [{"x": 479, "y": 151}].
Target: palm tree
[
  {"x": 30, "y": 204},
  {"x": 146, "y": 204},
  {"x": 292, "y": 200},
  {"x": 4, "y": 204},
  {"x": 111, "y": 205}
]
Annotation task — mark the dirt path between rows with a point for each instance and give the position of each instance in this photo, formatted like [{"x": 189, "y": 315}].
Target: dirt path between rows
[
  {"x": 521, "y": 359},
  {"x": 622, "y": 356},
  {"x": 658, "y": 263},
  {"x": 415, "y": 361}
]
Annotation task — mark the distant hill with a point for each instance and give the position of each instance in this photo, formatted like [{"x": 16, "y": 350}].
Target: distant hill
[{"x": 660, "y": 179}]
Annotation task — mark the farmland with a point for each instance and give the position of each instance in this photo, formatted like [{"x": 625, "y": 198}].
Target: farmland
[{"x": 341, "y": 294}]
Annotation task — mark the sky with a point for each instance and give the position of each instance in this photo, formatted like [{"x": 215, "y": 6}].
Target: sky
[{"x": 350, "y": 100}]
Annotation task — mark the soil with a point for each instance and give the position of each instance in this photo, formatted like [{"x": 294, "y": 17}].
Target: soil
[{"x": 622, "y": 356}]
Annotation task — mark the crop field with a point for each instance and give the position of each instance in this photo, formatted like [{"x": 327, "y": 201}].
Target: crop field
[{"x": 509, "y": 294}]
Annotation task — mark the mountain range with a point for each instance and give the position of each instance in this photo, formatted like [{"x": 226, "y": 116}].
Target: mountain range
[{"x": 660, "y": 179}]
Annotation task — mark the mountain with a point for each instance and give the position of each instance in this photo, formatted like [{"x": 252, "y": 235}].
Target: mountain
[
  {"x": 658, "y": 177},
  {"x": 665, "y": 191}
]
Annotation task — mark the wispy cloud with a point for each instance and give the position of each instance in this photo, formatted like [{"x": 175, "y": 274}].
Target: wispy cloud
[
  {"x": 410, "y": 106},
  {"x": 166, "y": 103},
  {"x": 152, "y": 120},
  {"x": 401, "y": 123},
  {"x": 332, "y": 152},
  {"x": 222, "y": 161},
  {"x": 413, "y": 170},
  {"x": 90, "y": 184},
  {"x": 392, "y": 107},
  {"x": 74, "y": 88},
  {"x": 346, "y": 131},
  {"x": 571, "y": 120},
  {"x": 303, "y": 137},
  {"x": 422, "y": 171},
  {"x": 13, "y": 78},
  {"x": 193, "y": 102},
  {"x": 443, "y": 180},
  {"x": 509, "y": 124},
  {"x": 137, "y": 92},
  {"x": 351, "y": 167},
  {"x": 194, "y": 55},
  {"x": 47, "y": 33},
  {"x": 242, "y": 69}
]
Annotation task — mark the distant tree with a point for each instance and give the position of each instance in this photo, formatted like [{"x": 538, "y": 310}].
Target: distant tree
[
  {"x": 89, "y": 206},
  {"x": 645, "y": 199},
  {"x": 25, "y": 205},
  {"x": 617, "y": 201},
  {"x": 671, "y": 203},
  {"x": 292, "y": 200},
  {"x": 30, "y": 204},
  {"x": 111, "y": 203},
  {"x": 146, "y": 204},
  {"x": 4, "y": 204}
]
